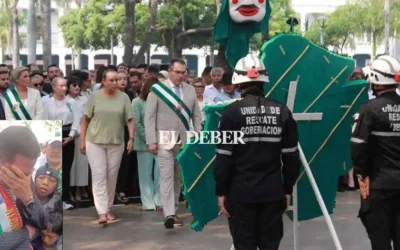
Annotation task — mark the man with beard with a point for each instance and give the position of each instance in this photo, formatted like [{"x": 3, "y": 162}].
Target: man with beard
[
  {"x": 53, "y": 71},
  {"x": 4, "y": 85},
  {"x": 135, "y": 81}
]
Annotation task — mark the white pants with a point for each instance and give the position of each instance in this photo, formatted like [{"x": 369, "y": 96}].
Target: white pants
[
  {"x": 170, "y": 180},
  {"x": 104, "y": 162}
]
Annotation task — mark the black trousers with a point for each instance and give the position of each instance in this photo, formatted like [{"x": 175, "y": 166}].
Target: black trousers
[
  {"x": 380, "y": 215},
  {"x": 128, "y": 170},
  {"x": 67, "y": 160},
  {"x": 256, "y": 225}
]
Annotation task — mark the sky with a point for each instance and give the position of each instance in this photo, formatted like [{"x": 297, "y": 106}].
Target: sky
[{"x": 42, "y": 131}]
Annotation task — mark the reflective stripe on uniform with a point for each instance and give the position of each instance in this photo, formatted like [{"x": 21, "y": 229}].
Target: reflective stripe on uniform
[
  {"x": 289, "y": 150},
  {"x": 223, "y": 152},
  {"x": 356, "y": 140},
  {"x": 263, "y": 139},
  {"x": 388, "y": 134}
]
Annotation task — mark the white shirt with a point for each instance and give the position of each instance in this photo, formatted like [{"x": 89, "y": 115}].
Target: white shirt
[
  {"x": 211, "y": 92},
  {"x": 65, "y": 110},
  {"x": 80, "y": 102},
  {"x": 173, "y": 87}
]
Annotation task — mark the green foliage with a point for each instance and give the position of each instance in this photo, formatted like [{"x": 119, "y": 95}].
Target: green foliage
[
  {"x": 354, "y": 20},
  {"x": 281, "y": 12},
  {"x": 88, "y": 27}
]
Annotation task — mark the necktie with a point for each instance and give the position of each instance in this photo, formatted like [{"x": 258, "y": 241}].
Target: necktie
[{"x": 177, "y": 91}]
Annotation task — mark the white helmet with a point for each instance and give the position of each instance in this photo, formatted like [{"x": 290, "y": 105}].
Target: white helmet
[
  {"x": 385, "y": 70},
  {"x": 249, "y": 69}
]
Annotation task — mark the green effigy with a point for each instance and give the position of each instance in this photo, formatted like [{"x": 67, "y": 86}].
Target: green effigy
[
  {"x": 322, "y": 101},
  {"x": 322, "y": 88},
  {"x": 233, "y": 29}
]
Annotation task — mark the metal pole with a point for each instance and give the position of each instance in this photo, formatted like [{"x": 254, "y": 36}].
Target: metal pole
[
  {"x": 322, "y": 35},
  {"x": 320, "y": 199},
  {"x": 295, "y": 209},
  {"x": 112, "y": 49}
]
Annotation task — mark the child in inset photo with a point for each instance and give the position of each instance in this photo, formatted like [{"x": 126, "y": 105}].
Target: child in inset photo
[
  {"x": 45, "y": 185},
  {"x": 51, "y": 233}
]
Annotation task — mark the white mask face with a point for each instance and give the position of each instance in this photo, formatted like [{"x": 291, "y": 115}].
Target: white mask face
[{"x": 242, "y": 11}]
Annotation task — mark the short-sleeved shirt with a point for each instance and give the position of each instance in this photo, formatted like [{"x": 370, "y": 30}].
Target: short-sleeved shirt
[{"x": 108, "y": 117}]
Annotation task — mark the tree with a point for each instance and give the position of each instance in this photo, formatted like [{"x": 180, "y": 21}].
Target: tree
[
  {"x": 32, "y": 34},
  {"x": 15, "y": 36},
  {"x": 372, "y": 20},
  {"x": 185, "y": 24},
  {"x": 281, "y": 12},
  {"x": 153, "y": 6},
  {"x": 341, "y": 28},
  {"x": 3, "y": 32},
  {"x": 73, "y": 29},
  {"x": 129, "y": 39},
  {"x": 45, "y": 18}
]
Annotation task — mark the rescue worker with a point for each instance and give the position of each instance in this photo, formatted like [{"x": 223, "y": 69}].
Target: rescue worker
[
  {"x": 376, "y": 155},
  {"x": 254, "y": 180}
]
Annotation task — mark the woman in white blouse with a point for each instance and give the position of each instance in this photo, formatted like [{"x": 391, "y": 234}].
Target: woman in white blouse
[
  {"x": 62, "y": 107},
  {"x": 80, "y": 167},
  {"x": 23, "y": 103}
]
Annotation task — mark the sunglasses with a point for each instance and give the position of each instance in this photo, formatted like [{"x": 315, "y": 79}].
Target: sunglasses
[
  {"x": 75, "y": 85},
  {"x": 37, "y": 85}
]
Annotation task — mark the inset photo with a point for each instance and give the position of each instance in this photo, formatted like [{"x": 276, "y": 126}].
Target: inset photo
[{"x": 31, "y": 208}]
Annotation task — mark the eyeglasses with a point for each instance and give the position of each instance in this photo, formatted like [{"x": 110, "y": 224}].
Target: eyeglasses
[
  {"x": 199, "y": 87},
  {"x": 178, "y": 72},
  {"x": 75, "y": 85}
]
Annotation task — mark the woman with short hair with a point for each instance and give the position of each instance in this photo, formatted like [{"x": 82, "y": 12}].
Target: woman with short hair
[
  {"x": 102, "y": 139},
  {"x": 80, "y": 166},
  {"x": 61, "y": 107},
  {"x": 23, "y": 102}
]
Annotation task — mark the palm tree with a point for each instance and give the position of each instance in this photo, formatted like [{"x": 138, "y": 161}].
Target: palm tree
[
  {"x": 3, "y": 32},
  {"x": 45, "y": 18},
  {"x": 32, "y": 34},
  {"x": 15, "y": 37}
]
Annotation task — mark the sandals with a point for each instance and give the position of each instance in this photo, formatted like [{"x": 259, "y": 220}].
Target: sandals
[
  {"x": 121, "y": 197},
  {"x": 110, "y": 217},
  {"x": 102, "y": 220}
]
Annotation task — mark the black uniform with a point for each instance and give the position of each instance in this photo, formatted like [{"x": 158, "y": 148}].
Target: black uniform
[
  {"x": 250, "y": 174},
  {"x": 376, "y": 154}
]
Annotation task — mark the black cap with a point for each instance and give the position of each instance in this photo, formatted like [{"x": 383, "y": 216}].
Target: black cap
[
  {"x": 227, "y": 78},
  {"x": 46, "y": 170}
]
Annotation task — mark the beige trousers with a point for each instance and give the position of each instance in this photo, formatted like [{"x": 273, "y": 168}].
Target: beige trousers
[
  {"x": 170, "y": 180},
  {"x": 104, "y": 161}
]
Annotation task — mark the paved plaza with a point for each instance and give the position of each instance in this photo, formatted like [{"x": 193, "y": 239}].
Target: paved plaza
[{"x": 138, "y": 230}]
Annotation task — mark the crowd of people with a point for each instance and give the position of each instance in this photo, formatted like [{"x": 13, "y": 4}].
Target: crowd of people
[
  {"x": 31, "y": 212},
  {"x": 111, "y": 122},
  {"x": 103, "y": 113}
]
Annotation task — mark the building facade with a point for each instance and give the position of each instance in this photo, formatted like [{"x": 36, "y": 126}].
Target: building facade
[{"x": 197, "y": 59}]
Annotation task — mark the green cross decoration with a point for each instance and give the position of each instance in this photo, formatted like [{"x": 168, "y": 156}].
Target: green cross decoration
[{"x": 312, "y": 82}]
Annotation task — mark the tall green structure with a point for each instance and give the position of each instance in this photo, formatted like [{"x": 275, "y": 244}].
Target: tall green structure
[{"x": 313, "y": 83}]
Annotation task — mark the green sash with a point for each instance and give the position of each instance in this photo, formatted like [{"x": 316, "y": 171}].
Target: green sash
[
  {"x": 174, "y": 102},
  {"x": 16, "y": 106}
]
